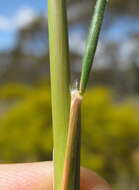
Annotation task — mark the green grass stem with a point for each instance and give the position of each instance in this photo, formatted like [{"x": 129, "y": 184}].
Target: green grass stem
[{"x": 60, "y": 79}]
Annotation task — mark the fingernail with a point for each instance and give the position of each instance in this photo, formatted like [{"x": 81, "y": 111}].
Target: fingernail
[{"x": 101, "y": 187}]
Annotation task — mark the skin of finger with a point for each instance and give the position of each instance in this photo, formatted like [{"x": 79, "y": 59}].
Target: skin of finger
[
  {"x": 91, "y": 181},
  {"x": 31, "y": 176},
  {"x": 39, "y": 176}
]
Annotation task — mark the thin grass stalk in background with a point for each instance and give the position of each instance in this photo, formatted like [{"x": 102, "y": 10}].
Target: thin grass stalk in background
[
  {"x": 92, "y": 43},
  {"x": 59, "y": 66}
]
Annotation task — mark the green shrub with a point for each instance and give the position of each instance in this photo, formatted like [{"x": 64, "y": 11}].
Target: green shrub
[
  {"x": 25, "y": 131},
  {"x": 13, "y": 91},
  {"x": 109, "y": 137}
]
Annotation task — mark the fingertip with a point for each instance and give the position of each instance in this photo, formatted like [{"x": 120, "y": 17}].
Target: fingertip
[
  {"x": 91, "y": 181},
  {"x": 31, "y": 176},
  {"x": 39, "y": 176},
  {"x": 101, "y": 187}
]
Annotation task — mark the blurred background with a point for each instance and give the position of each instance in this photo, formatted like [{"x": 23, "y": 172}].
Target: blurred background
[{"x": 110, "y": 137}]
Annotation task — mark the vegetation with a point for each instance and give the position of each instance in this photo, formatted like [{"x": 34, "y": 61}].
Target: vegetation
[
  {"x": 109, "y": 120},
  {"x": 66, "y": 113},
  {"x": 60, "y": 82},
  {"x": 110, "y": 137}
]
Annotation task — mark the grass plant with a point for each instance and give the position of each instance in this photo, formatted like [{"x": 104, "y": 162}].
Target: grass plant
[{"x": 65, "y": 104}]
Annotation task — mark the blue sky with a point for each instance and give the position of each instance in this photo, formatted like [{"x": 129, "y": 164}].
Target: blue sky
[
  {"x": 8, "y": 8},
  {"x": 15, "y": 14}
]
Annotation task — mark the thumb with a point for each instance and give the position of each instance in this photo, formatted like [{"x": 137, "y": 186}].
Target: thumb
[{"x": 39, "y": 176}]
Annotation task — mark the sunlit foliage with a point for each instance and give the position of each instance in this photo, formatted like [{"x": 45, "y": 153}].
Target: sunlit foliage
[{"x": 109, "y": 138}]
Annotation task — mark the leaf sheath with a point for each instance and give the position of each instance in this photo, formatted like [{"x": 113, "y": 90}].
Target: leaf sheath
[{"x": 73, "y": 146}]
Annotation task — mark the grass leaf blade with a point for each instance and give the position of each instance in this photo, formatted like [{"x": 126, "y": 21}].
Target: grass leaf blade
[{"x": 92, "y": 43}]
